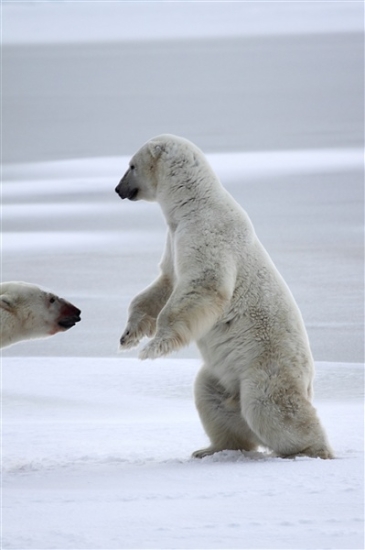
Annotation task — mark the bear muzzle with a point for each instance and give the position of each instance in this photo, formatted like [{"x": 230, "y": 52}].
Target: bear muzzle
[
  {"x": 125, "y": 191},
  {"x": 69, "y": 315}
]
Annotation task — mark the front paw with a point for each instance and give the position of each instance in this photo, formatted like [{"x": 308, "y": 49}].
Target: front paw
[
  {"x": 129, "y": 339},
  {"x": 158, "y": 347},
  {"x": 134, "y": 332}
]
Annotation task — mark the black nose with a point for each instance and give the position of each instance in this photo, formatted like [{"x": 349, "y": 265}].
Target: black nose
[
  {"x": 122, "y": 189},
  {"x": 125, "y": 191}
]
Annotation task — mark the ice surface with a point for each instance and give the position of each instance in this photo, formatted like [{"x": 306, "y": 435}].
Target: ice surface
[
  {"x": 99, "y": 251},
  {"x": 70, "y": 22},
  {"x": 96, "y": 454}
]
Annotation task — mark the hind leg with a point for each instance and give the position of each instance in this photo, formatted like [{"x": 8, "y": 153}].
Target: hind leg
[
  {"x": 220, "y": 413},
  {"x": 283, "y": 418}
]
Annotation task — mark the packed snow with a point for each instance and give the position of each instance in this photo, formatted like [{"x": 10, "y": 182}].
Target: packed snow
[
  {"x": 96, "y": 454},
  {"x": 96, "y": 445}
]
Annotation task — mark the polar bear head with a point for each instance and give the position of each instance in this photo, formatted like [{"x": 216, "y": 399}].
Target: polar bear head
[
  {"x": 27, "y": 311},
  {"x": 167, "y": 165}
]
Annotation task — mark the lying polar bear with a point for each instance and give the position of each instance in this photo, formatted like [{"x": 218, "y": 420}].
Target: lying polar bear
[
  {"x": 27, "y": 311},
  {"x": 219, "y": 287}
]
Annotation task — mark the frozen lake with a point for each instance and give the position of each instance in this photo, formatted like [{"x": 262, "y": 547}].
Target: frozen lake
[
  {"x": 306, "y": 206},
  {"x": 226, "y": 94}
]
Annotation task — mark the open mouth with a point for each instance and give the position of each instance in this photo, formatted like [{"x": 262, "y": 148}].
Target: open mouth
[
  {"x": 133, "y": 195},
  {"x": 126, "y": 193},
  {"x": 68, "y": 322}
]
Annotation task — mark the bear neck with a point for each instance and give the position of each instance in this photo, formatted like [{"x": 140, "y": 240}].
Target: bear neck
[
  {"x": 190, "y": 206},
  {"x": 189, "y": 198}
]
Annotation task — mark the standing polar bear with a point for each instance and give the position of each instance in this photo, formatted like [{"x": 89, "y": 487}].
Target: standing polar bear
[
  {"x": 219, "y": 287},
  {"x": 27, "y": 311}
]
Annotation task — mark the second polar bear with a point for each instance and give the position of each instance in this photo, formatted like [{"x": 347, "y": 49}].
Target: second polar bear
[
  {"x": 219, "y": 287},
  {"x": 27, "y": 311}
]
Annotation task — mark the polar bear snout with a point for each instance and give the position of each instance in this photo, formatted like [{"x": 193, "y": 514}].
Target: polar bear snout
[
  {"x": 125, "y": 188},
  {"x": 69, "y": 315},
  {"x": 28, "y": 311}
]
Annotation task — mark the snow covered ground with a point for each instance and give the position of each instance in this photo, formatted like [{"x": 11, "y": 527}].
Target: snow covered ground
[
  {"x": 96, "y": 446},
  {"x": 96, "y": 454}
]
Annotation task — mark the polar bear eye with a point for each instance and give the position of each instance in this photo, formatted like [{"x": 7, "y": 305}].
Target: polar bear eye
[
  {"x": 52, "y": 300},
  {"x": 132, "y": 167}
]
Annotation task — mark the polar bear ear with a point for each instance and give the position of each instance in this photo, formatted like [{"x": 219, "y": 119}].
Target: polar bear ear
[
  {"x": 7, "y": 303},
  {"x": 155, "y": 149}
]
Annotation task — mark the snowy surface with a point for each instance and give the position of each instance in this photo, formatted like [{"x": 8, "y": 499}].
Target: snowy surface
[
  {"x": 96, "y": 446},
  {"x": 97, "y": 455}
]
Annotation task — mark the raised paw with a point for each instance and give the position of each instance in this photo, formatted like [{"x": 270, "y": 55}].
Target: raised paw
[
  {"x": 157, "y": 347},
  {"x": 134, "y": 332},
  {"x": 129, "y": 339}
]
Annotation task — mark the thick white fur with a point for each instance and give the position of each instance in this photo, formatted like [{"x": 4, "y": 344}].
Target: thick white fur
[
  {"x": 27, "y": 311},
  {"x": 219, "y": 287}
]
